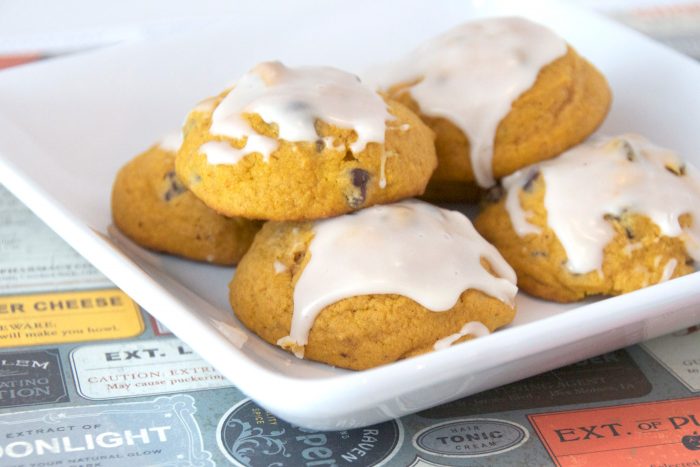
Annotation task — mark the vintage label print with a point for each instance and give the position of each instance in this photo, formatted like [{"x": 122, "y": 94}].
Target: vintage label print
[
  {"x": 679, "y": 353},
  {"x": 606, "y": 377},
  {"x": 33, "y": 258},
  {"x": 31, "y": 378},
  {"x": 659, "y": 433},
  {"x": 476, "y": 437},
  {"x": 251, "y": 436},
  {"x": 159, "y": 328},
  {"x": 68, "y": 317},
  {"x": 156, "y": 432},
  {"x": 139, "y": 368}
]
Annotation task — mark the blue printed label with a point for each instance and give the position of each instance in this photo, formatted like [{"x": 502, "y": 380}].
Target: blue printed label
[{"x": 160, "y": 432}]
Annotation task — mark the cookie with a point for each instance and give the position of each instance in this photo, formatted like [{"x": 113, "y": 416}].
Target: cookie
[
  {"x": 605, "y": 218},
  {"x": 372, "y": 287},
  {"x": 301, "y": 144},
  {"x": 500, "y": 94},
  {"x": 154, "y": 209}
]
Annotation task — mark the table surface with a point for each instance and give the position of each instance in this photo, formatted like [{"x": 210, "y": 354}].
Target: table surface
[{"x": 87, "y": 378}]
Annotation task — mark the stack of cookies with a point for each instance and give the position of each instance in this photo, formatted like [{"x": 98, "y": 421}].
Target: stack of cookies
[{"x": 346, "y": 268}]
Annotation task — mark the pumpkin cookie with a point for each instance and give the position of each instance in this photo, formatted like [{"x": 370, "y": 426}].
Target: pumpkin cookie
[
  {"x": 500, "y": 94},
  {"x": 605, "y": 218},
  {"x": 303, "y": 143},
  {"x": 372, "y": 287},
  {"x": 152, "y": 207}
]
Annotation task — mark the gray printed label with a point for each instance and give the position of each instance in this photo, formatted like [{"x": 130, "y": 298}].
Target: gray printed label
[
  {"x": 139, "y": 368},
  {"x": 606, "y": 377},
  {"x": 251, "y": 436},
  {"x": 31, "y": 378},
  {"x": 476, "y": 437}
]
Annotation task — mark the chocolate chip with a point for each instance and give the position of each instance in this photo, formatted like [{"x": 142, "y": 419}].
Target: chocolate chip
[
  {"x": 359, "y": 179},
  {"x": 629, "y": 233},
  {"x": 320, "y": 145},
  {"x": 298, "y": 256},
  {"x": 531, "y": 181},
  {"x": 175, "y": 188}
]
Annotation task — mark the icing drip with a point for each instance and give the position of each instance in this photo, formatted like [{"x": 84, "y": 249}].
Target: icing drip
[
  {"x": 474, "y": 328},
  {"x": 382, "y": 167},
  {"x": 669, "y": 269},
  {"x": 293, "y": 99},
  {"x": 610, "y": 176},
  {"x": 171, "y": 142},
  {"x": 472, "y": 74},
  {"x": 410, "y": 248},
  {"x": 518, "y": 216}
]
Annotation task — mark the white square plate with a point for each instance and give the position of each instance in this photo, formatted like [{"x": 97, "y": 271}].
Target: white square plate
[{"x": 67, "y": 125}]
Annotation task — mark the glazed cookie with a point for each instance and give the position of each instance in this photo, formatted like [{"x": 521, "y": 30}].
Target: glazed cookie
[
  {"x": 500, "y": 94},
  {"x": 152, "y": 207},
  {"x": 303, "y": 143},
  {"x": 372, "y": 287},
  {"x": 605, "y": 218}
]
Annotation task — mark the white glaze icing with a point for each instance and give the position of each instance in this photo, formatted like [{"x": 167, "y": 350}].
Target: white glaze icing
[
  {"x": 410, "y": 248},
  {"x": 294, "y": 99},
  {"x": 171, "y": 142},
  {"x": 597, "y": 179},
  {"x": 475, "y": 328},
  {"x": 221, "y": 152},
  {"x": 329, "y": 143},
  {"x": 472, "y": 74},
  {"x": 669, "y": 269},
  {"x": 279, "y": 267}
]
